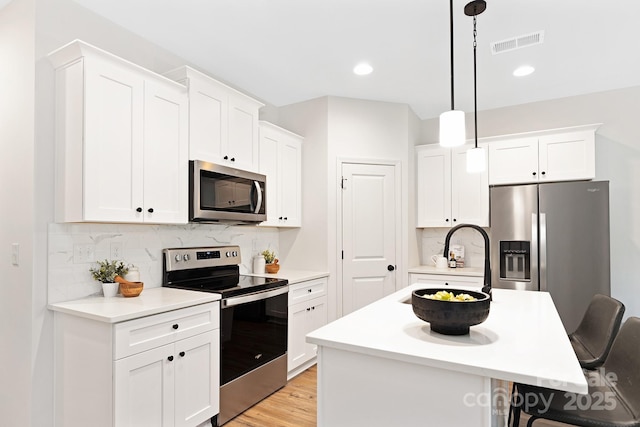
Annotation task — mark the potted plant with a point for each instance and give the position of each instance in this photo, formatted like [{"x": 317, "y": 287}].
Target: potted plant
[
  {"x": 106, "y": 273},
  {"x": 272, "y": 265}
]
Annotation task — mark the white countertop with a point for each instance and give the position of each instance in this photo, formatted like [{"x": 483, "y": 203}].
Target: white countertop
[
  {"x": 294, "y": 276},
  {"x": 119, "y": 309},
  {"x": 431, "y": 269},
  {"x": 522, "y": 340}
]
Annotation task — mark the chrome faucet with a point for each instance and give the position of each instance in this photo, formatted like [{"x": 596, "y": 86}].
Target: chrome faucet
[{"x": 487, "y": 266}]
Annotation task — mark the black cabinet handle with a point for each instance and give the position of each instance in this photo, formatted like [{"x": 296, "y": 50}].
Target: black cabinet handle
[
  {"x": 233, "y": 159},
  {"x": 150, "y": 210},
  {"x": 446, "y": 283},
  {"x": 280, "y": 218},
  {"x": 285, "y": 218},
  {"x": 181, "y": 354},
  {"x": 534, "y": 174},
  {"x": 170, "y": 358},
  {"x": 455, "y": 220},
  {"x": 543, "y": 173},
  {"x": 446, "y": 220},
  {"x": 308, "y": 309},
  {"x": 138, "y": 209},
  {"x": 391, "y": 267},
  {"x": 226, "y": 157},
  {"x": 176, "y": 326},
  {"x": 309, "y": 290}
]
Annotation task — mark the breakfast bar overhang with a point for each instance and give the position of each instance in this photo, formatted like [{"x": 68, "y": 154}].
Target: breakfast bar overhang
[{"x": 382, "y": 366}]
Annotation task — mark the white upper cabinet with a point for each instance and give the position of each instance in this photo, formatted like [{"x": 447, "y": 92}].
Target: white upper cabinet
[
  {"x": 559, "y": 155},
  {"x": 121, "y": 140},
  {"x": 447, "y": 194},
  {"x": 223, "y": 123},
  {"x": 281, "y": 162}
]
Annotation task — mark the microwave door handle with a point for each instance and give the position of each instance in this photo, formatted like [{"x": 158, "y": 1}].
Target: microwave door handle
[{"x": 259, "y": 192}]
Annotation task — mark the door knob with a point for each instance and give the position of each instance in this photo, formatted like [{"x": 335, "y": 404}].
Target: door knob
[{"x": 391, "y": 267}]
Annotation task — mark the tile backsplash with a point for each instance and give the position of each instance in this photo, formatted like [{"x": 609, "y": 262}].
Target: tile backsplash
[
  {"x": 433, "y": 244},
  {"x": 71, "y": 246}
]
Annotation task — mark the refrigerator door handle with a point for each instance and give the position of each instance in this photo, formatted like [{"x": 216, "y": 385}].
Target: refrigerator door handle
[
  {"x": 543, "y": 252},
  {"x": 534, "y": 252}
]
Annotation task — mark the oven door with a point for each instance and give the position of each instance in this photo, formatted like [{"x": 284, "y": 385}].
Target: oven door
[
  {"x": 221, "y": 193},
  {"x": 253, "y": 331}
]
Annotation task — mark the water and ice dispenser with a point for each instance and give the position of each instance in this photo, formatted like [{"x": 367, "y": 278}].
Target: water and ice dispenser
[{"x": 515, "y": 260}]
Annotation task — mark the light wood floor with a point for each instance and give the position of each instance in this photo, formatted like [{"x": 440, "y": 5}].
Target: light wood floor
[{"x": 294, "y": 405}]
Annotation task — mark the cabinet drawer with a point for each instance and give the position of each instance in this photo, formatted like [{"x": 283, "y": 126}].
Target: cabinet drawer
[
  {"x": 149, "y": 332},
  {"x": 307, "y": 290},
  {"x": 446, "y": 280}
]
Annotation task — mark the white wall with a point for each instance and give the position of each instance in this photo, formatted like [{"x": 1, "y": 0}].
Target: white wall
[
  {"x": 617, "y": 160},
  {"x": 16, "y": 210}
]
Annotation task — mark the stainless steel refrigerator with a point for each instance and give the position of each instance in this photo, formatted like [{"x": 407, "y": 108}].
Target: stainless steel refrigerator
[{"x": 552, "y": 237}]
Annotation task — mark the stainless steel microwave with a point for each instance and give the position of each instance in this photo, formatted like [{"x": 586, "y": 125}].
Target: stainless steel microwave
[{"x": 219, "y": 193}]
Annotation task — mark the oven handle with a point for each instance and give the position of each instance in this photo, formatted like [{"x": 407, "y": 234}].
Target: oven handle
[{"x": 230, "y": 302}]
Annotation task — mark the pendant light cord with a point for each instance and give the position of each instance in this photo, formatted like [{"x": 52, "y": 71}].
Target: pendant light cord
[
  {"x": 475, "y": 92},
  {"x": 451, "y": 47}
]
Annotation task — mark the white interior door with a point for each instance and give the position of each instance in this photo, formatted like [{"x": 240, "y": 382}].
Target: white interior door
[{"x": 368, "y": 234}]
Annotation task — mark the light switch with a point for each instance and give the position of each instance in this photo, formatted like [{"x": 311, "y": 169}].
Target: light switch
[{"x": 15, "y": 254}]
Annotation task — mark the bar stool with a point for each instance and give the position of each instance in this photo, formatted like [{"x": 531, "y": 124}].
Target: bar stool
[
  {"x": 592, "y": 339},
  {"x": 613, "y": 399}
]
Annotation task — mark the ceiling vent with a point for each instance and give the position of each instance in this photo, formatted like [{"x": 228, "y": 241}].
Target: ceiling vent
[{"x": 517, "y": 42}]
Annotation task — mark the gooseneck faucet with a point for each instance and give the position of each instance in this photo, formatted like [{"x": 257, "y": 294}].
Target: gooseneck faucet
[{"x": 487, "y": 266}]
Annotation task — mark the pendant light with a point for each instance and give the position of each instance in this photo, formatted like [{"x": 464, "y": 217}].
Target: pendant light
[
  {"x": 476, "y": 157},
  {"x": 452, "y": 127}
]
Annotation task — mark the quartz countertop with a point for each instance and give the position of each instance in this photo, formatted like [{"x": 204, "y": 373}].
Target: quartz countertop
[
  {"x": 465, "y": 271},
  {"x": 522, "y": 340},
  {"x": 294, "y": 276},
  {"x": 119, "y": 309}
]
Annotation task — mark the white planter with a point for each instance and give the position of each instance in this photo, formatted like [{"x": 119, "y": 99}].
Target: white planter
[{"x": 110, "y": 289}]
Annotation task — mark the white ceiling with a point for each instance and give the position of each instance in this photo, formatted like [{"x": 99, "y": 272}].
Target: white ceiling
[{"x": 286, "y": 51}]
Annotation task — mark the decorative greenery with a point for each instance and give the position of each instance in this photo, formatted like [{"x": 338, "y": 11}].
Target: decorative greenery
[
  {"x": 107, "y": 271},
  {"x": 269, "y": 256}
]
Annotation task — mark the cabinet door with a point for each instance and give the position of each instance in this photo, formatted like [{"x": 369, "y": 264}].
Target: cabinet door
[
  {"x": 290, "y": 175},
  {"x": 433, "y": 186},
  {"x": 567, "y": 156},
  {"x": 269, "y": 166},
  {"x": 144, "y": 389},
  {"x": 166, "y": 165},
  {"x": 317, "y": 319},
  {"x": 113, "y": 142},
  {"x": 297, "y": 330},
  {"x": 242, "y": 149},
  {"x": 513, "y": 161},
  {"x": 208, "y": 112},
  {"x": 469, "y": 191},
  {"x": 197, "y": 379}
]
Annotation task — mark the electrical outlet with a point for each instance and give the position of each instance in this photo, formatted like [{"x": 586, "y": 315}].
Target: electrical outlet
[
  {"x": 116, "y": 250},
  {"x": 83, "y": 253}
]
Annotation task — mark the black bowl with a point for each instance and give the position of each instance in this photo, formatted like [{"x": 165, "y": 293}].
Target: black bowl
[{"x": 450, "y": 317}]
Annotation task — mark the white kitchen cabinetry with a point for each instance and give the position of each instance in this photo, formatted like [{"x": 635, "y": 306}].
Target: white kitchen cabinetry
[
  {"x": 559, "y": 155},
  {"x": 159, "y": 370},
  {"x": 281, "y": 162},
  {"x": 307, "y": 312},
  {"x": 223, "y": 123},
  {"x": 445, "y": 280},
  {"x": 447, "y": 194},
  {"x": 121, "y": 140}
]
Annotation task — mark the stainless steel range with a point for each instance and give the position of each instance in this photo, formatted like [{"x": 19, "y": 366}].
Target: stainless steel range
[{"x": 253, "y": 322}]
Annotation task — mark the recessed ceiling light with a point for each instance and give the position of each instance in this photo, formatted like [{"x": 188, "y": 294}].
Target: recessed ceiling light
[
  {"x": 525, "y": 70},
  {"x": 362, "y": 69}
]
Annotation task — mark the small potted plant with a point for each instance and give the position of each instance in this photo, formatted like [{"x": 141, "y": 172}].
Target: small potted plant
[
  {"x": 106, "y": 273},
  {"x": 272, "y": 265}
]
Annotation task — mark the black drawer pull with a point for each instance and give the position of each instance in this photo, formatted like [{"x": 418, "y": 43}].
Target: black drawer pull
[{"x": 176, "y": 326}]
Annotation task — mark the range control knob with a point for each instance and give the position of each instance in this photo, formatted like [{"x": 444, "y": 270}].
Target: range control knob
[
  {"x": 186, "y": 257},
  {"x": 228, "y": 254},
  {"x": 235, "y": 253},
  {"x": 178, "y": 258}
]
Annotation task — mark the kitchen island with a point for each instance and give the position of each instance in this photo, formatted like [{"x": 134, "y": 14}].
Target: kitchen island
[{"x": 382, "y": 366}]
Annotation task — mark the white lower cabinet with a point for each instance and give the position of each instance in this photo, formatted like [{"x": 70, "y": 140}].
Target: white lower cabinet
[
  {"x": 307, "y": 312},
  {"x": 445, "y": 280},
  {"x": 160, "y": 370}
]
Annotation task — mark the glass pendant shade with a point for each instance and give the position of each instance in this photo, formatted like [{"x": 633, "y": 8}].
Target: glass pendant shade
[
  {"x": 476, "y": 160},
  {"x": 452, "y": 128}
]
